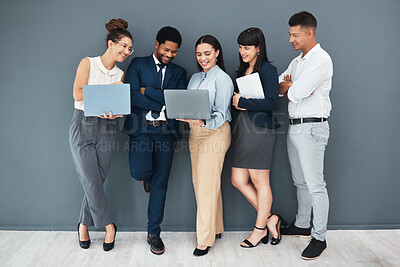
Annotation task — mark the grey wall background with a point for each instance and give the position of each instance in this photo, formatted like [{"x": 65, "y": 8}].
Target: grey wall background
[{"x": 42, "y": 43}]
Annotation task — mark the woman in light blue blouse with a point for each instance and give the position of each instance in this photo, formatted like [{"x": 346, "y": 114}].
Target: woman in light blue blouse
[{"x": 209, "y": 140}]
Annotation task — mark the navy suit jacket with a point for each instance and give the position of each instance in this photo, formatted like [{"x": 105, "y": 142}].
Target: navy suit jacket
[
  {"x": 142, "y": 72},
  {"x": 260, "y": 110}
]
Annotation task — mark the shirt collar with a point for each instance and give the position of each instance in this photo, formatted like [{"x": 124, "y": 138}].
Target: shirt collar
[
  {"x": 103, "y": 69},
  {"x": 210, "y": 72},
  {"x": 156, "y": 61},
  {"x": 310, "y": 53}
]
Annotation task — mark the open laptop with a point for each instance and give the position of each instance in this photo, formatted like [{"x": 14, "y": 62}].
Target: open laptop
[
  {"x": 187, "y": 104},
  {"x": 115, "y": 98}
]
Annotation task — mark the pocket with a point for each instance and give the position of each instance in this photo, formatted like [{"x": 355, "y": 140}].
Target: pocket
[
  {"x": 88, "y": 128},
  {"x": 320, "y": 132},
  {"x": 90, "y": 120}
]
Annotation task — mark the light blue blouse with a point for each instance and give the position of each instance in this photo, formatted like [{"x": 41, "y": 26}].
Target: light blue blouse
[{"x": 220, "y": 88}]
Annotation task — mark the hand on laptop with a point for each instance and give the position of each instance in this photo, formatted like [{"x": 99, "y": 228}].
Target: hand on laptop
[{"x": 110, "y": 117}]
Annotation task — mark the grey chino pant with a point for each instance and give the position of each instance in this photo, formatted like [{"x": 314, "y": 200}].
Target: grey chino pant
[
  {"x": 92, "y": 140},
  {"x": 306, "y": 145}
]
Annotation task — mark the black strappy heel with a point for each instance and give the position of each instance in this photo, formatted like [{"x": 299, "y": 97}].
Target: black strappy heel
[
  {"x": 264, "y": 240},
  {"x": 275, "y": 241}
]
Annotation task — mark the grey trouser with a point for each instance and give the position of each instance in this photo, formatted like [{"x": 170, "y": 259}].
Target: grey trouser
[
  {"x": 306, "y": 147},
  {"x": 91, "y": 140}
]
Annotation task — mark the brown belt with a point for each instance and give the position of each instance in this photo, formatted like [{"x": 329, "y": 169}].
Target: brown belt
[{"x": 155, "y": 123}]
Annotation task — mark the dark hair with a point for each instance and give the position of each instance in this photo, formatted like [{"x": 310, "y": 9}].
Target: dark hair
[
  {"x": 253, "y": 36},
  {"x": 116, "y": 30},
  {"x": 211, "y": 40},
  {"x": 305, "y": 19},
  {"x": 169, "y": 33}
]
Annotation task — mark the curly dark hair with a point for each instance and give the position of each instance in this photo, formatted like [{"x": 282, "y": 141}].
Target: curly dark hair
[{"x": 169, "y": 33}]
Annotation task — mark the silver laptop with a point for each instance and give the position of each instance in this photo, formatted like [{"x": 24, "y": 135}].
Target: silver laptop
[
  {"x": 187, "y": 104},
  {"x": 115, "y": 98}
]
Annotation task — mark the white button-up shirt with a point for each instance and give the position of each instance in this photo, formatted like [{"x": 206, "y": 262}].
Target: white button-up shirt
[{"x": 312, "y": 81}]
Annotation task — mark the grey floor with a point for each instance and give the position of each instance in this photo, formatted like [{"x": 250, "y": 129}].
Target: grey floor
[{"x": 345, "y": 248}]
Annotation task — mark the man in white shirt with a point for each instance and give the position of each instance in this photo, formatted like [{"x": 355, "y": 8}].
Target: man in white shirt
[{"x": 306, "y": 84}]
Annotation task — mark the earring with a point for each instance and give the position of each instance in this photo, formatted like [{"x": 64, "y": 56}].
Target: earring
[
  {"x": 258, "y": 52},
  {"x": 110, "y": 50}
]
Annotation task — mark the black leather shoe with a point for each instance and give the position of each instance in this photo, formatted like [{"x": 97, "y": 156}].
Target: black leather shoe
[
  {"x": 314, "y": 249},
  {"x": 200, "y": 252},
  {"x": 156, "y": 244},
  {"x": 110, "y": 246},
  {"x": 146, "y": 186},
  {"x": 293, "y": 230},
  {"x": 83, "y": 244}
]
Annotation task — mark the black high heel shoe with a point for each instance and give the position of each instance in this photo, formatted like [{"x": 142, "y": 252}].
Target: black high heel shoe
[
  {"x": 110, "y": 246},
  {"x": 200, "y": 252},
  {"x": 83, "y": 244},
  {"x": 264, "y": 240},
  {"x": 275, "y": 241}
]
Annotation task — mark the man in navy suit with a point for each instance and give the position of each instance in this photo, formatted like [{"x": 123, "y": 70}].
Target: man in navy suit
[{"x": 152, "y": 135}]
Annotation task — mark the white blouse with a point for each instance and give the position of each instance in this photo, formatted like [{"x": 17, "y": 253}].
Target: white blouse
[{"x": 98, "y": 74}]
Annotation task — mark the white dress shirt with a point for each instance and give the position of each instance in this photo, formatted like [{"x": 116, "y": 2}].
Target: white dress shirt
[
  {"x": 162, "y": 113},
  {"x": 312, "y": 81}
]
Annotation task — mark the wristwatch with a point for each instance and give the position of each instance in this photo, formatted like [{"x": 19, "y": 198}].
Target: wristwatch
[{"x": 204, "y": 125}]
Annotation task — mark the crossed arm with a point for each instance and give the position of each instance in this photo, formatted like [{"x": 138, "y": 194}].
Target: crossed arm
[
  {"x": 319, "y": 70},
  {"x": 157, "y": 94},
  {"x": 139, "y": 100}
]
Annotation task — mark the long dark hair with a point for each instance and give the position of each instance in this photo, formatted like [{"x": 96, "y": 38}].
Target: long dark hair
[
  {"x": 211, "y": 40},
  {"x": 253, "y": 36}
]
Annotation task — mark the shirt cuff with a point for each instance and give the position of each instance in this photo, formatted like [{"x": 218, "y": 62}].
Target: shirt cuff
[
  {"x": 241, "y": 99},
  {"x": 145, "y": 90}
]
